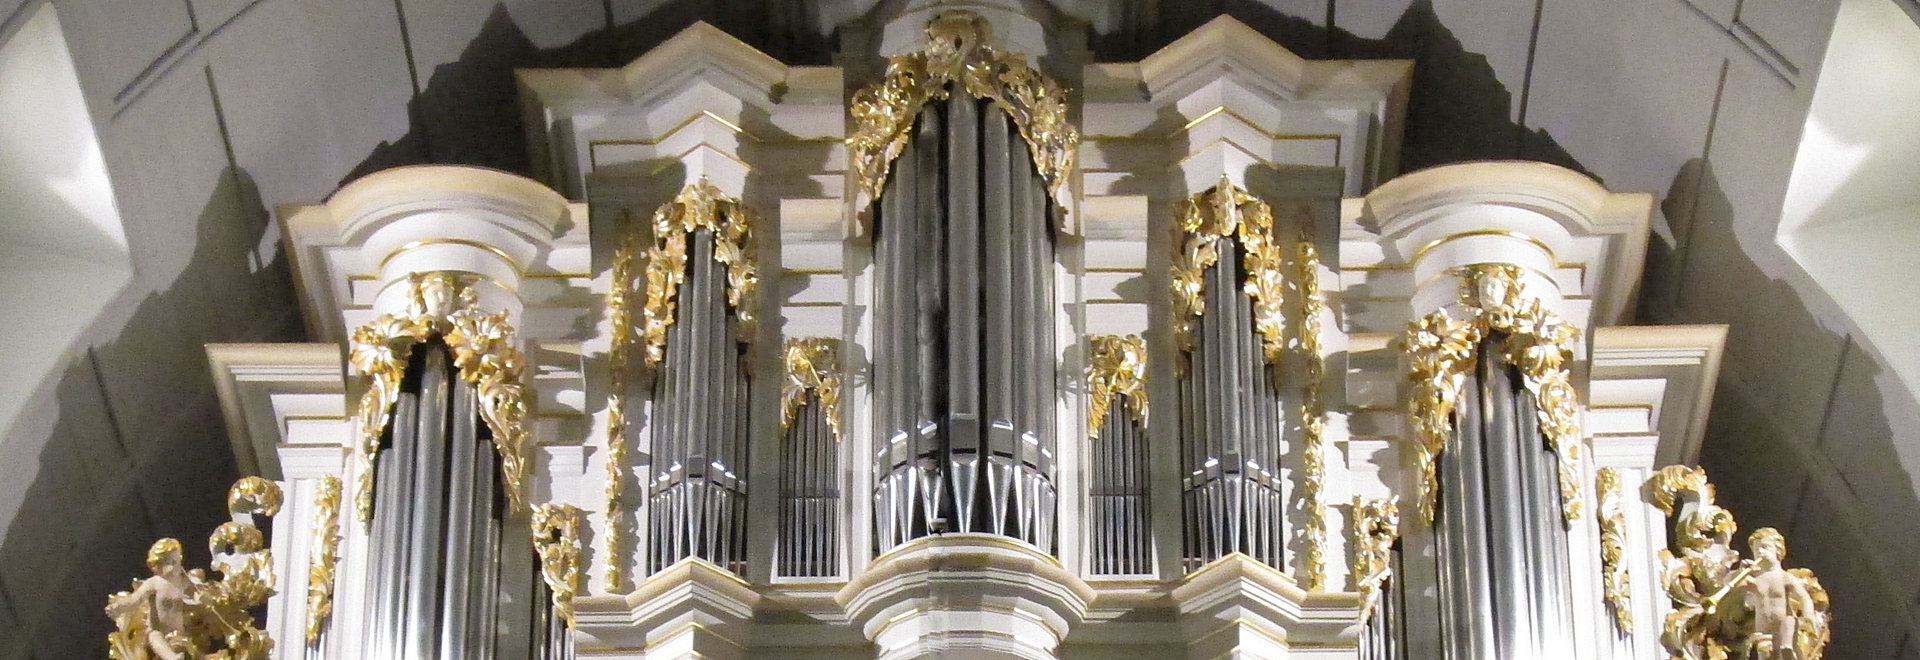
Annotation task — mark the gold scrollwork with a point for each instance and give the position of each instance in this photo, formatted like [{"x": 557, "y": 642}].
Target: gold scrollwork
[
  {"x": 1222, "y": 212},
  {"x": 443, "y": 303},
  {"x": 1441, "y": 351},
  {"x": 556, "y": 539},
  {"x": 813, "y": 366},
  {"x": 1116, "y": 366},
  {"x": 626, "y": 283},
  {"x": 957, "y": 51},
  {"x": 1615, "y": 579},
  {"x": 1725, "y": 607},
  {"x": 699, "y": 206},
  {"x": 324, "y": 558},
  {"x": 1376, "y": 525},
  {"x": 178, "y": 613},
  {"x": 1313, "y": 409}
]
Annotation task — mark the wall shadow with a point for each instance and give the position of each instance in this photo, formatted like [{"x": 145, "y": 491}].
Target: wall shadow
[
  {"x": 136, "y": 448},
  {"x": 1761, "y": 472},
  {"x": 468, "y": 112},
  {"x": 1457, "y": 109}
]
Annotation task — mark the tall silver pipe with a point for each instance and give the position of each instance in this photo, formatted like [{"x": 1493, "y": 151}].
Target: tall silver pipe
[{"x": 458, "y": 591}]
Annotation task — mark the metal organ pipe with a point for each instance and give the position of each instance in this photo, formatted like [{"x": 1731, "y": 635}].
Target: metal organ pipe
[
  {"x": 438, "y": 514},
  {"x": 696, "y": 498},
  {"x": 964, "y": 362}
]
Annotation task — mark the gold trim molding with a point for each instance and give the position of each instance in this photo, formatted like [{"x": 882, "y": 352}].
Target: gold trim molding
[
  {"x": 1313, "y": 409},
  {"x": 1226, "y": 211},
  {"x": 1723, "y": 606},
  {"x": 698, "y": 206},
  {"x": 1376, "y": 525},
  {"x": 812, "y": 366},
  {"x": 324, "y": 559},
  {"x": 556, "y": 539},
  {"x": 189, "y": 614},
  {"x": 1116, "y": 366},
  {"x": 1615, "y": 578},
  {"x": 626, "y": 283},
  {"x": 957, "y": 51},
  {"x": 443, "y": 303},
  {"x": 1442, "y": 350}
]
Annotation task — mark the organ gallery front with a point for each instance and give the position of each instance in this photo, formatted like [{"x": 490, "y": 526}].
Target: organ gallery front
[{"x": 971, "y": 347}]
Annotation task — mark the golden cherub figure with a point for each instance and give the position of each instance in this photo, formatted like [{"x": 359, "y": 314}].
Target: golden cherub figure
[
  {"x": 179, "y": 614},
  {"x": 152, "y": 615}
]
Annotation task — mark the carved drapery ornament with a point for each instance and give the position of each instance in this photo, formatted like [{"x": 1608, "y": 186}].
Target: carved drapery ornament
[
  {"x": 324, "y": 559},
  {"x": 1116, "y": 366},
  {"x": 1615, "y": 579},
  {"x": 1222, "y": 212},
  {"x": 813, "y": 367},
  {"x": 1313, "y": 410},
  {"x": 443, "y": 303},
  {"x": 178, "y": 613},
  {"x": 556, "y": 539},
  {"x": 1726, "y": 608},
  {"x": 626, "y": 283},
  {"x": 698, "y": 206},
  {"x": 957, "y": 52},
  {"x": 1441, "y": 351},
  {"x": 1376, "y": 525}
]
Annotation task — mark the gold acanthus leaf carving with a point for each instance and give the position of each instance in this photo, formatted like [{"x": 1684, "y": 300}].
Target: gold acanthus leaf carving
[
  {"x": 178, "y": 613},
  {"x": 1313, "y": 409},
  {"x": 1441, "y": 351},
  {"x": 1206, "y": 219},
  {"x": 699, "y": 206},
  {"x": 626, "y": 284},
  {"x": 813, "y": 367},
  {"x": 1615, "y": 578},
  {"x": 324, "y": 558},
  {"x": 1376, "y": 526},
  {"x": 957, "y": 51},
  {"x": 1116, "y": 367},
  {"x": 1725, "y": 607},
  {"x": 556, "y": 539},
  {"x": 443, "y": 303}
]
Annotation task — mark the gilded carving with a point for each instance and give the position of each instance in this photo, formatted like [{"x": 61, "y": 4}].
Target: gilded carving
[
  {"x": 556, "y": 539},
  {"x": 1376, "y": 526},
  {"x": 324, "y": 559},
  {"x": 443, "y": 303},
  {"x": 1441, "y": 351},
  {"x": 698, "y": 206},
  {"x": 626, "y": 284},
  {"x": 1227, "y": 212},
  {"x": 182, "y": 614},
  {"x": 1313, "y": 411},
  {"x": 1116, "y": 366},
  {"x": 813, "y": 367},
  {"x": 957, "y": 51},
  {"x": 1725, "y": 607},
  {"x": 1615, "y": 579}
]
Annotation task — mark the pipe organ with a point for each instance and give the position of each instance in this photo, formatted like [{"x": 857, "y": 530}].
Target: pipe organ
[{"x": 970, "y": 347}]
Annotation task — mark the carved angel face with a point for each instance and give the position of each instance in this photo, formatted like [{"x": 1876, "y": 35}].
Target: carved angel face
[
  {"x": 165, "y": 554},
  {"x": 1768, "y": 545}
]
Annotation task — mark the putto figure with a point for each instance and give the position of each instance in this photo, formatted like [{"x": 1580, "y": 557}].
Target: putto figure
[
  {"x": 152, "y": 616},
  {"x": 1726, "y": 608},
  {"x": 179, "y": 614},
  {"x": 1787, "y": 606}
]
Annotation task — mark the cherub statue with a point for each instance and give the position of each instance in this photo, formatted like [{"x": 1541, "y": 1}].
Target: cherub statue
[
  {"x": 187, "y": 615},
  {"x": 152, "y": 616},
  {"x": 1724, "y": 607},
  {"x": 1787, "y": 607}
]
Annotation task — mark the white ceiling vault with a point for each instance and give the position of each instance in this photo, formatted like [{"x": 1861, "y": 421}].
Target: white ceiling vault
[{"x": 213, "y": 113}]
